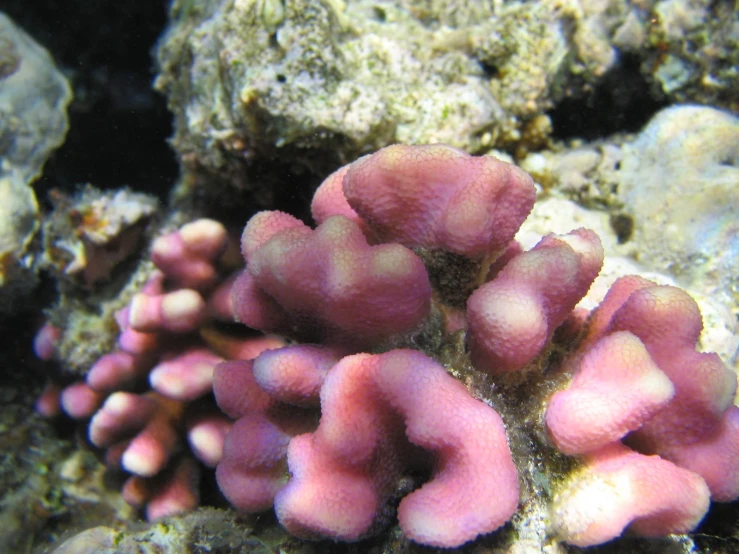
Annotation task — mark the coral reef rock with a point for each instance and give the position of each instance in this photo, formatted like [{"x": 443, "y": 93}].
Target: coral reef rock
[
  {"x": 679, "y": 180},
  {"x": 89, "y": 234},
  {"x": 691, "y": 50},
  {"x": 326, "y": 80},
  {"x": 34, "y": 97},
  {"x": 675, "y": 187},
  {"x": 206, "y": 530}
]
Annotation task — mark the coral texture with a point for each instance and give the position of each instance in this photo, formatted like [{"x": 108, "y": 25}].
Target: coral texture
[
  {"x": 330, "y": 80},
  {"x": 675, "y": 402},
  {"x": 366, "y": 402},
  {"x": 167, "y": 340},
  {"x": 423, "y": 323}
]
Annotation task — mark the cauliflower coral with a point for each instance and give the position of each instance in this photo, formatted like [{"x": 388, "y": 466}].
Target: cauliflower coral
[{"x": 433, "y": 360}]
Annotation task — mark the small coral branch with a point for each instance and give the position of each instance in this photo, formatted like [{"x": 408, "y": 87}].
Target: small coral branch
[
  {"x": 380, "y": 407},
  {"x": 167, "y": 343}
]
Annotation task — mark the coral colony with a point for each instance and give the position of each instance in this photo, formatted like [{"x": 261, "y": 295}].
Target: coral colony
[
  {"x": 165, "y": 338},
  {"x": 428, "y": 360}
]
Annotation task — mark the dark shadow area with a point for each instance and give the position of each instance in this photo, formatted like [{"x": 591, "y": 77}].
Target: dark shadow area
[
  {"x": 621, "y": 102},
  {"x": 118, "y": 124},
  {"x": 719, "y": 531}
]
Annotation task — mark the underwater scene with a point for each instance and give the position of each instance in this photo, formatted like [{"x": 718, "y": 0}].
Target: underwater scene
[{"x": 369, "y": 276}]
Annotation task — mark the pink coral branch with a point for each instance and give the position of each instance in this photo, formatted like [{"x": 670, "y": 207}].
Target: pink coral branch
[
  {"x": 512, "y": 317},
  {"x": 616, "y": 389},
  {"x": 620, "y": 489},
  {"x": 344, "y": 472},
  {"x": 163, "y": 340},
  {"x": 434, "y": 196},
  {"x": 323, "y": 278}
]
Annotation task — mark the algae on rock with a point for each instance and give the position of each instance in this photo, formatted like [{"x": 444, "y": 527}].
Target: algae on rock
[{"x": 309, "y": 82}]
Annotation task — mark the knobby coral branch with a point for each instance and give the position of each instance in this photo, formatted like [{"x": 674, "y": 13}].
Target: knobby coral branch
[{"x": 414, "y": 249}]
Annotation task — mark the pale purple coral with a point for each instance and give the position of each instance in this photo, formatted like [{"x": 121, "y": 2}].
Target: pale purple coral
[
  {"x": 670, "y": 400},
  {"x": 620, "y": 488},
  {"x": 616, "y": 388},
  {"x": 379, "y": 407},
  {"x": 253, "y": 466},
  {"x": 398, "y": 232},
  {"x": 434, "y": 196},
  {"x": 311, "y": 284},
  {"x": 513, "y": 317},
  {"x": 164, "y": 340},
  {"x": 458, "y": 214}
]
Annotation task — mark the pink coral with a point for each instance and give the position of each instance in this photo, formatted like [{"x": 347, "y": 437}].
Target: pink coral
[
  {"x": 253, "y": 466},
  {"x": 646, "y": 493},
  {"x": 512, "y": 317},
  {"x": 414, "y": 249},
  {"x": 161, "y": 341},
  {"x": 432, "y": 196},
  {"x": 433, "y": 364},
  {"x": 637, "y": 372},
  {"x": 337, "y": 487},
  {"x": 311, "y": 283},
  {"x": 616, "y": 388}
]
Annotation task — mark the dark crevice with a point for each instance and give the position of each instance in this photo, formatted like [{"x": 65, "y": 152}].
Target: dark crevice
[
  {"x": 620, "y": 102},
  {"x": 118, "y": 125}
]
